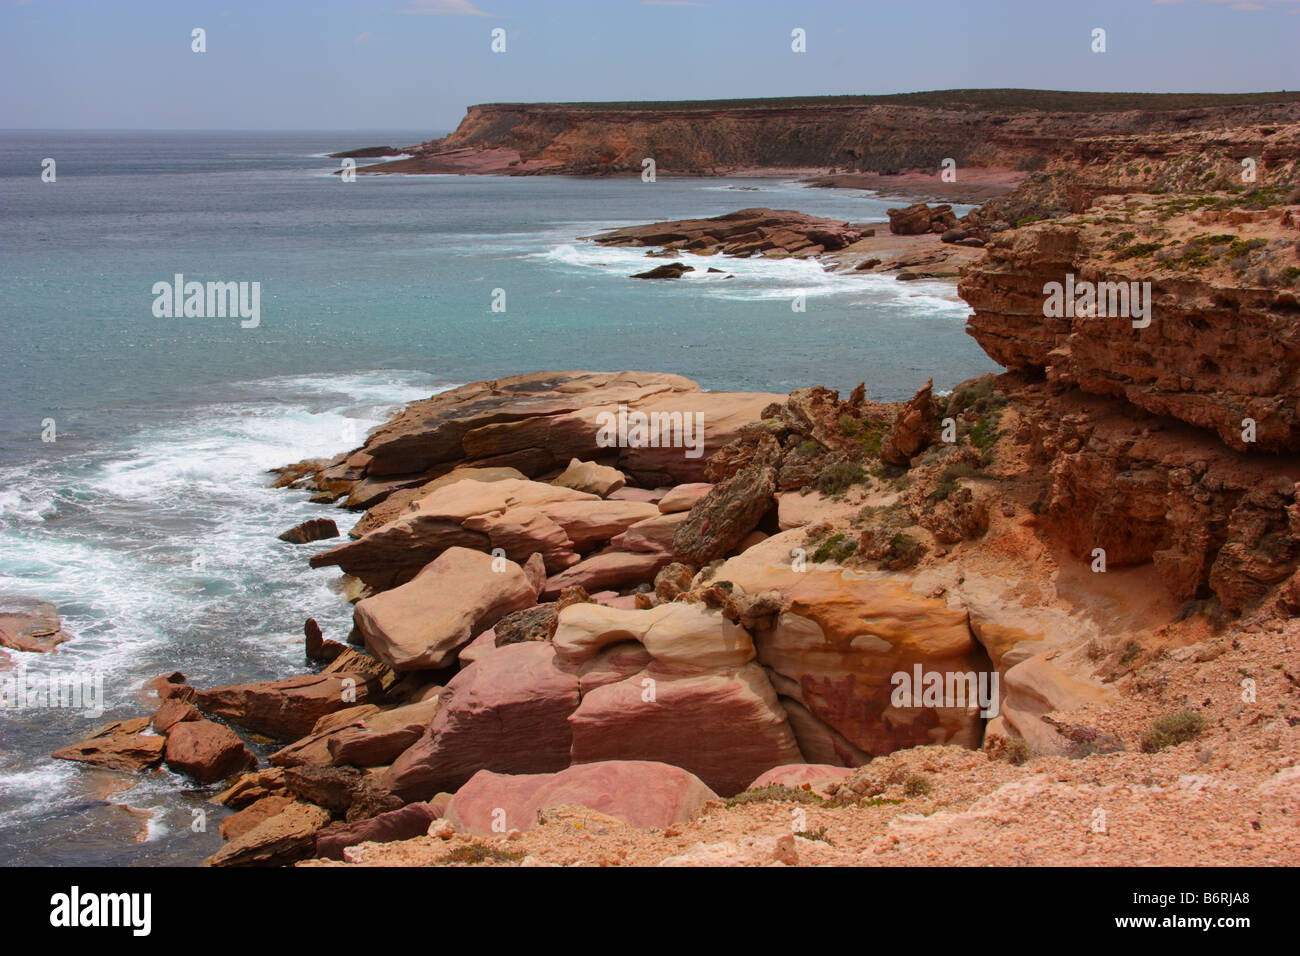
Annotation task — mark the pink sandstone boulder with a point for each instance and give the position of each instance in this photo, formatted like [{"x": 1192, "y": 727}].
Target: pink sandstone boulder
[
  {"x": 590, "y": 477},
  {"x": 607, "y": 569},
  {"x": 641, "y": 793},
  {"x": 683, "y": 497},
  {"x": 654, "y": 535},
  {"x": 507, "y": 712},
  {"x": 724, "y": 728},
  {"x": 425, "y": 622}
]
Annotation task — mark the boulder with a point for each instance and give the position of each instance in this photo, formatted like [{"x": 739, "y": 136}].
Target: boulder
[
  {"x": 381, "y": 739},
  {"x": 722, "y": 518},
  {"x": 317, "y": 529},
  {"x": 206, "y": 751},
  {"x": 608, "y": 569},
  {"x": 468, "y": 514},
  {"x": 678, "y": 635},
  {"x": 913, "y": 428},
  {"x": 671, "y": 270},
  {"x": 173, "y": 712},
  {"x": 284, "y": 838},
  {"x": 422, "y": 624},
  {"x": 287, "y": 709},
  {"x": 120, "y": 745},
  {"x": 402, "y": 501},
  {"x": 641, "y": 793},
  {"x": 725, "y": 728},
  {"x": 506, "y": 712},
  {"x": 683, "y": 497},
  {"x": 839, "y": 637},
  {"x": 406, "y": 823},
  {"x": 653, "y": 535},
  {"x": 28, "y": 624},
  {"x": 590, "y": 523},
  {"x": 253, "y": 815},
  {"x": 590, "y": 477}
]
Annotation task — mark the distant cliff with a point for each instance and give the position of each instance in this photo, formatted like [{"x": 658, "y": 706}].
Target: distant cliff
[{"x": 1013, "y": 129}]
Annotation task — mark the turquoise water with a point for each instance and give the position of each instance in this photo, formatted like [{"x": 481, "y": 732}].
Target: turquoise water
[{"x": 148, "y": 521}]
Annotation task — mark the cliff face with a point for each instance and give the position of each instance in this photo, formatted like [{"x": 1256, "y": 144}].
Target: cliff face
[
  {"x": 1170, "y": 428},
  {"x": 883, "y": 136},
  {"x": 1210, "y": 335}
]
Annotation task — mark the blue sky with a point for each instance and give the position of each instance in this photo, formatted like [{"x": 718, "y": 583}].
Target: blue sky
[{"x": 416, "y": 64}]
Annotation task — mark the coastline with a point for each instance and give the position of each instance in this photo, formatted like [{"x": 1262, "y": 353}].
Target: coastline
[{"x": 636, "y": 562}]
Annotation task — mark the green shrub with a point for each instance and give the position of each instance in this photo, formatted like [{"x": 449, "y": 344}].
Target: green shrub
[
  {"x": 839, "y": 477},
  {"x": 917, "y": 785},
  {"x": 473, "y": 853},
  {"x": 837, "y": 548},
  {"x": 774, "y": 793},
  {"x": 1170, "y": 730}
]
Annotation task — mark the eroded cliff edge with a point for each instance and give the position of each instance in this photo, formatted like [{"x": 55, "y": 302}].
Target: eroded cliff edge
[{"x": 1007, "y": 129}]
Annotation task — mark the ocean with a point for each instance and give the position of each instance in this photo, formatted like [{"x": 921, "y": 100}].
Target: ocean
[{"x": 148, "y": 520}]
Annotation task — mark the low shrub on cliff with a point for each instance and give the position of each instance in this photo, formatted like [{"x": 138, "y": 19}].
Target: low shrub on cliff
[
  {"x": 904, "y": 552},
  {"x": 917, "y": 785},
  {"x": 472, "y": 853},
  {"x": 1170, "y": 730},
  {"x": 774, "y": 793},
  {"x": 839, "y": 477},
  {"x": 837, "y": 548},
  {"x": 949, "y": 477}
]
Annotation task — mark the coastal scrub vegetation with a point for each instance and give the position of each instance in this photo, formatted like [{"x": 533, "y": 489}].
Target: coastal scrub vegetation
[{"x": 1170, "y": 730}]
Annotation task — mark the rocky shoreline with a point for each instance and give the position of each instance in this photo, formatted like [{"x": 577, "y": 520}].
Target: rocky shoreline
[{"x": 612, "y": 618}]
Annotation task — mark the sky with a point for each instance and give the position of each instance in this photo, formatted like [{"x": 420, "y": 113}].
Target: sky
[{"x": 417, "y": 64}]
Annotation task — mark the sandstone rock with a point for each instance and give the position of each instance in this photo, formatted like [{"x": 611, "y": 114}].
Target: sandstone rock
[
  {"x": 253, "y": 815},
  {"x": 248, "y": 788},
  {"x": 913, "y": 428},
  {"x": 281, "y": 839},
  {"x": 741, "y": 233},
  {"x": 286, "y": 709},
  {"x": 676, "y": 635},
  {"x": 640, "y": 793},
  {"x": 723, "y": 517},
  {"x": 681, "y": 725},
  {"x": 316, "y": 529},
  {"x": 425, "y": 622},
  {"x": 672, "y": 270},
  {"x": 590, "y": 477},
  {"x": 381, "y": 739},
  {"x": 173, "y": 712},
  {"x": 841, "y": 635},
  {"x": 693, "y": 427},
  {"x": 206, "y": 751},
  {"x": 530, "y": 624},
  {"x": 608, "y": 569},
  {"x": 652, "y": 535},
  {"x": 410, "y": 821},
  {"x": 402, "y": 501},
  {"x": 507, "y": 712},
  {"x": 590, "y": 523},
  {"x": 672, "y": 580},
  {"x": 683, "y": 497},
  {"x": 119, "y": 745},
  {"x": 27, "y": 624}
]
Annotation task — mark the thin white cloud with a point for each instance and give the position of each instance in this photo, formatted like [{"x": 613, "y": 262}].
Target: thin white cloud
[{"x": 453, "y": 8}]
